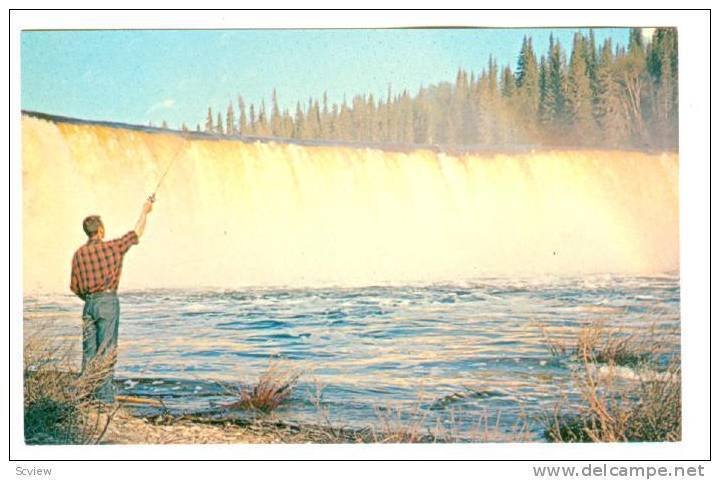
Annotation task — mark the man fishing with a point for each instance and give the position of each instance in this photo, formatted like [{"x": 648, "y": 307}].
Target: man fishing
[{"x": 96, "y": 268}]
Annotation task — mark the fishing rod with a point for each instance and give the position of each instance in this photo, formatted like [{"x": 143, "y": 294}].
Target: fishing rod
[{"x": 172, "y": 162}]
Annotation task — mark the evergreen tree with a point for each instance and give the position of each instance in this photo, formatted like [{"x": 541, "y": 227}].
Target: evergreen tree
[
  {"x": 209, "y": 127},
  {"x": 242, "y": 121},
  {"x": 557, "y": 90},
  {"x": 527, "y": 79},
  {"x": 325, "y": 117},
  {"x": 388, "y": 123},
  {"x": 456, "y": 128},
  {"x": 420, "y": 118},
  {"x": 579, "y": 95},
  {"x": 317, "y": 120},
  {"x": 609, "y": 110},
  {"x": 312, "y": 120},
  {"x": 507, "y": 129},
  {"x": 275, "y": 120},
  {"x": 288, "y": 126},
  {"x": 591, "y": 62},
  {"x": 370, "y": 125},
  {"x": 635, "y": 41},
  {"x": 406, "y": 133},
  {"x": 219, "y": 125},
  {"x": 344, "y": 122},
  {"x": 299, "y": 131},
  {"x": 252, "y": 125},
  {"x": 262, "y": 128},
  {"x": 507, "y": 83},
  {"x": 546, "y": 101},
  {"x": 493, "y": 101},
  {"x": 484, "y": 106},
  {"x": 332, "y": 123},
  {"x": 662, "y": 69},
  {"x": 230, "y": 128}
]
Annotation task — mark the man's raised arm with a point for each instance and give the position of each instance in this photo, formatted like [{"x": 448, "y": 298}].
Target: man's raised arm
[{"x": 147, "y": 208}]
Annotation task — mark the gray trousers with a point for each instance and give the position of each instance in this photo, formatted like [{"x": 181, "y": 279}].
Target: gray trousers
[{"x": 101, "y": 318}]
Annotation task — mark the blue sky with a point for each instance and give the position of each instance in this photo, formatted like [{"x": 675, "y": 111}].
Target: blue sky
[{"x": 136, "y": 76}]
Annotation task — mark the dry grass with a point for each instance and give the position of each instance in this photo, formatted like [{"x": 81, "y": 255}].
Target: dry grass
[
  {"x": 412, "y": 423},
  {"x": 273, "y": 387},
  {"x": 597, "y": 344},
  {"x": 398, "y": 425},
  {"x": 604, "y": 345},
  {"x": 556, "y": 347},
  {"x": 59, "y": 407},
  {"x": 615, "y": 409}
]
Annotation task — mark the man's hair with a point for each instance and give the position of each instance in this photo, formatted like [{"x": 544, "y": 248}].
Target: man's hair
[{"x": 91, "y": 225}]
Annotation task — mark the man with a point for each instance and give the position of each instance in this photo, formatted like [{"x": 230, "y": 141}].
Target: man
[{"x": 96, "y": 268}]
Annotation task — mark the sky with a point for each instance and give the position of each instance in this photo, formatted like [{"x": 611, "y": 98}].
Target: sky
[{"x": 137, "y": 76}]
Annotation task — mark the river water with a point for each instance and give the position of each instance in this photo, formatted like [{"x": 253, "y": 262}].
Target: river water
[{"x": 451, "y": 354}]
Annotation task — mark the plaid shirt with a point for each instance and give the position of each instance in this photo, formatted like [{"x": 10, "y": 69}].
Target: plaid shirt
[{"x": 96, "y": 266}]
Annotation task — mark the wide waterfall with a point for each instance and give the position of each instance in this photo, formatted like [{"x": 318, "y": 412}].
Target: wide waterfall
[{"x": 232, "y": 213}]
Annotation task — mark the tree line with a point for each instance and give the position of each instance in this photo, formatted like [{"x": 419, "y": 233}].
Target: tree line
[{"x": 600, "y": 95}]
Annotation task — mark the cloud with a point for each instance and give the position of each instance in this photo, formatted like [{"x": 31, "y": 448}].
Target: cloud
[{"x": 164, "y": 105}]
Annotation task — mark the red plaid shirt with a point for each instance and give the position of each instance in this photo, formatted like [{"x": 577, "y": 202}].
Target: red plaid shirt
[{"x": 96, "y": 266}]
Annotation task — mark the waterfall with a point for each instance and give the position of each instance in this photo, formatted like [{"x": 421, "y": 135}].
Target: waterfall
[{"x": 232, "y": 213}]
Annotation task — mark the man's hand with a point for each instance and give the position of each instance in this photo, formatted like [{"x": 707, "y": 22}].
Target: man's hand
[{"x": 147, "y": 206}]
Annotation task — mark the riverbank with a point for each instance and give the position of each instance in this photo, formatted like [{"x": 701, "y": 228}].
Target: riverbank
[{"x": 125, "y": 428}]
